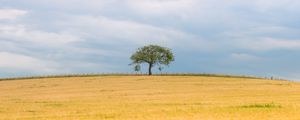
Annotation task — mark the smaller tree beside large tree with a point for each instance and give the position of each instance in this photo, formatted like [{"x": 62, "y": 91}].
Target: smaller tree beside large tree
[{"x": 152, "y": 55}]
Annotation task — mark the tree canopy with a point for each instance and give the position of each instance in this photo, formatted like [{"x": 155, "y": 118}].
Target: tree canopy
[{"x": 152, "y": 55}]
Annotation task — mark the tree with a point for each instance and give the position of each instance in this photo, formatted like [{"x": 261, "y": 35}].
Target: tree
[
  {"x": 160, "y": 68},
  {"x": 152, "y": 55},
  {"x": 137, "y": 68}
]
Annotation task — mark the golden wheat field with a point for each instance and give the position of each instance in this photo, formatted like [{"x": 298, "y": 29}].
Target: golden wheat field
[{"x": 149, "y": 98}]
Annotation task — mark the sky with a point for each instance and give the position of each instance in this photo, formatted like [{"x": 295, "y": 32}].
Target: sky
[{"x": 238, "y": 37}]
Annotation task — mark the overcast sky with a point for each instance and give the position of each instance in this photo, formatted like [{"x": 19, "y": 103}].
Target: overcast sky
[{"x": 244, "y": 37}]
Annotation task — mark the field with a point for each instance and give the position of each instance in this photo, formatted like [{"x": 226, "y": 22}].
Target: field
[{"x": 149, "y": 98}]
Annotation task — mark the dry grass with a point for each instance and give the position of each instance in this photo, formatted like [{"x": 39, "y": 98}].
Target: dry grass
[{"x": 149, "y": 98}]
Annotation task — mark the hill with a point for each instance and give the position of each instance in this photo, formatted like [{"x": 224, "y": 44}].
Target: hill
[{"x": 148, "y": 98}]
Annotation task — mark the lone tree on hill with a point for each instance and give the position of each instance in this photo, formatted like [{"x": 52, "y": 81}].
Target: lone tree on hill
[{"x": 152, "y": 55}]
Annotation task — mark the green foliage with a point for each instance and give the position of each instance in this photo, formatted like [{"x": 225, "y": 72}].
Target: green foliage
[
  {"x": 160, "y": 68},
  {"x": 270, "y": 105},
  {"x": 137, "y": 68},
  {"x": 152, "y": 55}
]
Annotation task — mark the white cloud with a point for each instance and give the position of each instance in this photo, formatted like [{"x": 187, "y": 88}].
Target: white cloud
[
  {"x": 11, "y": 14},
  {"x": 158, "y": 7},
  {"x": 267, "y": 5},
  {"x": 24, "y": 63},
  {"x": 126, "y": 32},
  {"x": 203, "y": 9},
  {"x": 263, "y": 38},
  {"x": 268, "y": 44},
  {"x": 22, "y": 33},
  {"x": 244, "y": 57},
  {"x": 64, "y": 5}
]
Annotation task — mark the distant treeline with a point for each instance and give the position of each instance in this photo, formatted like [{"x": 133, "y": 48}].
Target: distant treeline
[{"x": 134, "y": 74}]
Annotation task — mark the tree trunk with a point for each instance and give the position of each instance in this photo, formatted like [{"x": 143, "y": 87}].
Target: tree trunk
[{"x": 150, "y": 68}]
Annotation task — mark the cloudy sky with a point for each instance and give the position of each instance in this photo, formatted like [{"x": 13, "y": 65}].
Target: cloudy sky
[{"x": 243, "y": 37}]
